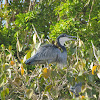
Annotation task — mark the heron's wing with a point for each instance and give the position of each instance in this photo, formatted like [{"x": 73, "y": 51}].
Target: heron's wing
[{"x": 47, "y": 53}]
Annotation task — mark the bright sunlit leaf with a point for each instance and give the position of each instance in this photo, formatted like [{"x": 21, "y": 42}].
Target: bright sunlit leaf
[
  {"x": 98, "y": 74},
  {"x": 91, "y": 66},
  {"x": 2, "y": 46},
  {"x": 34, "y": 38},
  {"x": 80, "y": 43},
  {"x": 9, "y": 70},
  {"x": 24, "y": 59},
  {"x": 19, "y": 46}
]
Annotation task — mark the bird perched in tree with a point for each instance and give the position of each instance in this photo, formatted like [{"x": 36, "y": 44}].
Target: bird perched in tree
[{"x": 50, "y": 53}]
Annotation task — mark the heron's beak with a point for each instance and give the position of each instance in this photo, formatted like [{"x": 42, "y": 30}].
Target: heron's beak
[
  {"x": 62, "y": 40},
  {"x": 68, "y": 37}
]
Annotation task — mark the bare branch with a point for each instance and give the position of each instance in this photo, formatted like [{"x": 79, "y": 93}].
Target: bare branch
[{"x": 30, "y": 6}]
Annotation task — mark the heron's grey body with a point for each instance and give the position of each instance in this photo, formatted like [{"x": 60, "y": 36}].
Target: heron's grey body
[{"x": 50, "y": 53}]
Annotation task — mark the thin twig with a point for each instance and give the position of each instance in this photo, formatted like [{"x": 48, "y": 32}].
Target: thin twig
[{"x": 17, "y": 49}]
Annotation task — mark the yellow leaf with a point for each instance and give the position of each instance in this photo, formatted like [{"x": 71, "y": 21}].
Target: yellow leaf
[
  {"x": 82, "y": 97},
  {"x": 46, "y": 73},
  {"x": 93, "y": 69},
  {"x": 50, "y": 64},
  {"x": 12, "y": 63},
  {"x": 75, "y": 78},
  {"x": 28, "y": 54},
  {"x": 10, "y": 47},
  {"x": 22, "y": 70}
]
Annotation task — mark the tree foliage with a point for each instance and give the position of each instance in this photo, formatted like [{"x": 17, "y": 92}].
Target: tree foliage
[{"x": 27, "y": 24}]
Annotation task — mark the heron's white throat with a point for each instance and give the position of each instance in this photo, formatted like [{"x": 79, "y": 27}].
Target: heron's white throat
[{"x": 62, "y": 40}]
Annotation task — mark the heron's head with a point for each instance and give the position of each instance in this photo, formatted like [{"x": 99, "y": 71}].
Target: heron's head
[{"x": 64, "y": 37}]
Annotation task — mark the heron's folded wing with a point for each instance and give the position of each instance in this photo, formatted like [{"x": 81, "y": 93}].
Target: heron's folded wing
[{"x": 45, "y": 53}]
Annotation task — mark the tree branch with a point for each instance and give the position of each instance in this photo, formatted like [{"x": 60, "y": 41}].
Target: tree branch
[
  {"x": 90, "y": 12},
  {"x": 17, "y": 49}
]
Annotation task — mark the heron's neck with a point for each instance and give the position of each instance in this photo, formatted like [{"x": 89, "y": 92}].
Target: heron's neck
[{"x": 62, "y": 47}]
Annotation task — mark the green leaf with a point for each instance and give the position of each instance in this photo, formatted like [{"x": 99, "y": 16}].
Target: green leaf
[
  {"x": 28, "y": 54},
  {"x": 10, "y": 47},
  {"x": 2, "y": 45},
  {"x": 3, "y": 95},
  {"x": 7, "y": 91}
]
